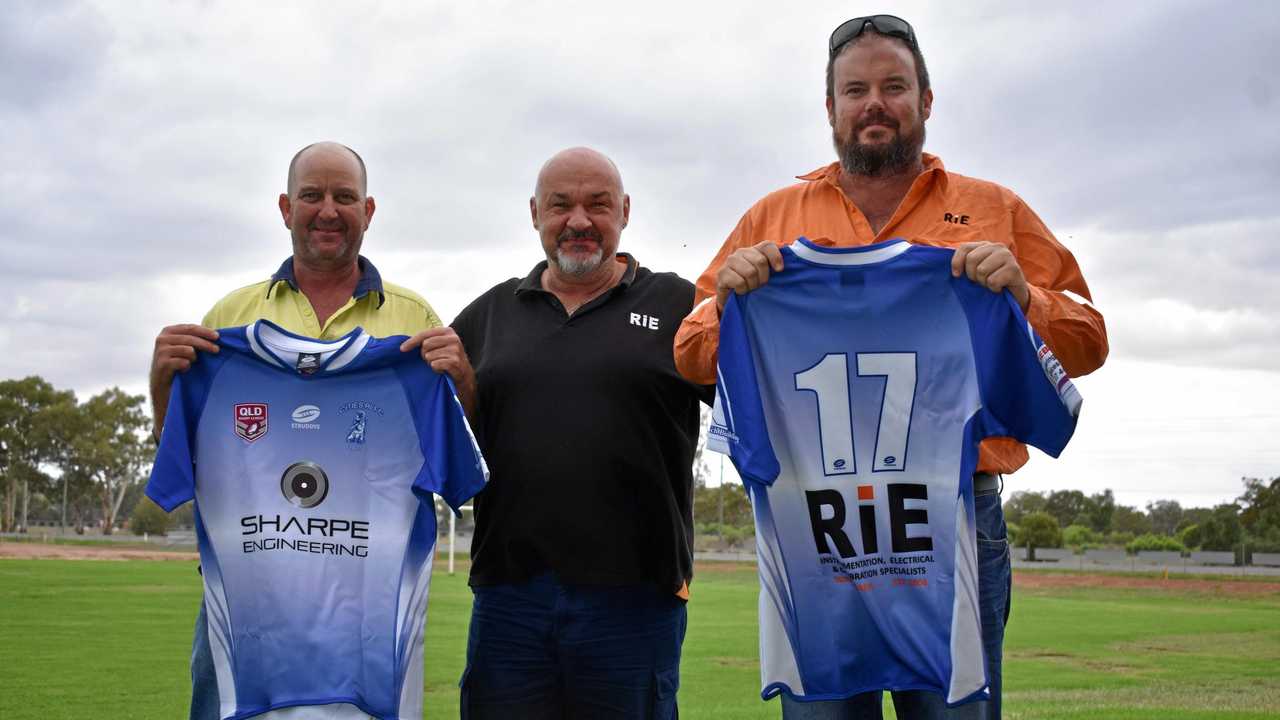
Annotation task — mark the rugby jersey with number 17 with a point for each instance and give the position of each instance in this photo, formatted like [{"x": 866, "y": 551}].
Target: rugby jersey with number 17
[{"x": 853, "y": 390}]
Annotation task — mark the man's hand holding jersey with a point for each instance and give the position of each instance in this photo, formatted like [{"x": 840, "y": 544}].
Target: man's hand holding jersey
[
  {"x": 988, "y": 264},
  {"x": 745, "y": 270},
  {"x": 175, "y": 351},
  {"x": 442, "y": 349},
  {"x": 994, "y": 267}
]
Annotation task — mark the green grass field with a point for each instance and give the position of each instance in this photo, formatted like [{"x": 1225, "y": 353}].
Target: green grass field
[{"x": 96, "y": 639}]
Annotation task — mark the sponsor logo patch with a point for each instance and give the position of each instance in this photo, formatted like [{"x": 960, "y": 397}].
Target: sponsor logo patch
[
  {"x": 1053, "y": 369},
  {"x": 304, "y": 417},
  {"x": 1058, "y": 378},
  {"x": 722, "y": 431},
  {"x": 304, "y": 484}
]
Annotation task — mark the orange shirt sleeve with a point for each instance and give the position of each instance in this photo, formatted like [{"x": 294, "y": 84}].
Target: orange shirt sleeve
[
  {"x": 697, "y": 341},
  {"x": 1073, "y": 330}
]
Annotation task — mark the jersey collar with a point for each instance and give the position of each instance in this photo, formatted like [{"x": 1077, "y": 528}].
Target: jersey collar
[
  {"x": 303, "y": 355},
  {"x": 879, "y": 252},
  {"x": 370, "y": 279}
]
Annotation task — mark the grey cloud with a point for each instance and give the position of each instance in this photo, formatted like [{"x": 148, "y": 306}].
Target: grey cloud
[
  {"x": 49, "y": 52},
  {"x": 1215, "y": 266},
  {"x": 156, "y": 141},
  {"x": 1142, "y": 116},
  {"x": 1199, "y": 295}
]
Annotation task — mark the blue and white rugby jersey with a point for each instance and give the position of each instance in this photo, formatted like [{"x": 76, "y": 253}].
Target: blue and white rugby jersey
[
  {"x": 854, "y": 388},
  {"x": 313, "y": 467}
]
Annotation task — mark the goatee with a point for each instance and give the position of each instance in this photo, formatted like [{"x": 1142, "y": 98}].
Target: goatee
[{"x": 577, "y": 265}]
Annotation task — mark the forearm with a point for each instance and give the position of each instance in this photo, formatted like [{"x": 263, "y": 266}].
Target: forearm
[
  {"x": 467, "y": 396},
  {"x": 697, "y": 343},
  {"x": 159, "y": 406}
]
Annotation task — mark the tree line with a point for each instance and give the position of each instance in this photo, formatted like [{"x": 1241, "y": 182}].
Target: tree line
[
  {"x": 83, "y": 463},
  {"x": 1069, "y": 518},
  {"x": 67, "y": 462}
]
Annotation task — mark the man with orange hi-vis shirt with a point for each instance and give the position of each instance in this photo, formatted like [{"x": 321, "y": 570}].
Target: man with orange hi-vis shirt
[{"x": 883, "y": 187}]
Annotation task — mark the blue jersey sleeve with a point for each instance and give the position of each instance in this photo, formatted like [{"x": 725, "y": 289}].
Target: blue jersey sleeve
[
  {"x": 1025, "y": 392},
  {"x": 172, "y": 480},
  {"x": 453, "y": 467},
  {"x": 738, "y": 426}
]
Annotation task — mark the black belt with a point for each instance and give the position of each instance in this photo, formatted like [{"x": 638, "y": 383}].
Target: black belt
[{"x": 987, "y": 484}]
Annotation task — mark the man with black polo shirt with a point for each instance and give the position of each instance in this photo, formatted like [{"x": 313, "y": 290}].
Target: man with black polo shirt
[{"x": 583, "y": 545}]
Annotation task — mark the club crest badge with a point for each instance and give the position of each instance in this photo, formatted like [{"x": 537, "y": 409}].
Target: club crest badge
[
  {"x": 355, "y": 436},
  {"x": 362, "y": 413},
  {"x": 250, "y": 420}
]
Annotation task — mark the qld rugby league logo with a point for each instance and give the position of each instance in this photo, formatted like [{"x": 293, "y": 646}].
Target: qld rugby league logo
[{"x": 251, "y": 420}]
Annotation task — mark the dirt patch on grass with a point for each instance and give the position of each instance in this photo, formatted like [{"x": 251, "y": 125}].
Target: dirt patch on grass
[
  {"x": 1185, "y": 698},
  {"x": 42, "y": 551},
  {"x": 736, "y": 662},
  {"x": 1257, "y": 646},
  {"x": 718, "y": 567},
  {"x": 1215, "y": 586},
  {"x": 1111, "y": 667}
]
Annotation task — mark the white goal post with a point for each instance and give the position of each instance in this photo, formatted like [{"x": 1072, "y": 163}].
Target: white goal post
[{"x": 453, "y": 530}]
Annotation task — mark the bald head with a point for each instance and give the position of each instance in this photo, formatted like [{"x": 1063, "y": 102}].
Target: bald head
[
  {"x": 325, "y": 147},
  {"x": 579, "y": 211},
  {"x": 580, "y": 161}
]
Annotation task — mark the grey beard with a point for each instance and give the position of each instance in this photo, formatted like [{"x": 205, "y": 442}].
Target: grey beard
[
  {"x": 576, "y": 265},
  {"x": 879, "y": 160}
]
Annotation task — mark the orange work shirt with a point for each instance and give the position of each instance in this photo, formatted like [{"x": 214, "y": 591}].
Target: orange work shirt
[{"x": 942, "y": 209}]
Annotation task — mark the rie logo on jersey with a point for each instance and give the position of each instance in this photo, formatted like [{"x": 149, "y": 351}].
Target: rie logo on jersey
[{"x": 251, "y": 420}]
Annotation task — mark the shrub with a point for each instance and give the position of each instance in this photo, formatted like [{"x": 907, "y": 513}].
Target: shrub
[
  {"x": 1079, "y": 536},
  {"x": 1262, "y": 545},
  {"x": 1149, "y": 542},
  {"x": 1119, "y": 538},
  {"x": 1039, "y": 530},
  {"x": 734, "y": 536},
  {"x": 147, "y": 517},
  {"x": 1191, "y": 536},
  {"x": 731, "y": 535}
]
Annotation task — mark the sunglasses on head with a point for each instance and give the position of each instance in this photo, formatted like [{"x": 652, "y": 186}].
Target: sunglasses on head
[{"x": 884, "y": 24}]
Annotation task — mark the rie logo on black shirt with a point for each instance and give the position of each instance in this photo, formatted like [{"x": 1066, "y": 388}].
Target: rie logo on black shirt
[{"x": 645, "y": 321}]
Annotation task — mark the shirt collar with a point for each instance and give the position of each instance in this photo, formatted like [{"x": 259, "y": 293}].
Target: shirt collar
[
  {"x": 830, "y": 174},
  {"x": 533, "y": 281},
  {"x": 370, "y": 279}
]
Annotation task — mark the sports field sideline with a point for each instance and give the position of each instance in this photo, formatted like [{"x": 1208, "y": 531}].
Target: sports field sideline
[{"x": 86, "y": 638}]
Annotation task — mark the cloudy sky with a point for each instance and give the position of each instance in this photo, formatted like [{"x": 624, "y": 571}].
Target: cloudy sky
[{"x": 144, "y": 146}]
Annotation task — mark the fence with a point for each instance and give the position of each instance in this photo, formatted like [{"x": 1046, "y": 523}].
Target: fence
[{"x": 1114, "y": 558}]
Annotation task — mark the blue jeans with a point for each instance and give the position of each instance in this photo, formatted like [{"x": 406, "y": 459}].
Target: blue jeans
[
  {"x": 205, "y": 704},
  {"x": 542, "y": 649},
  {"x": 995, "y": 582}
]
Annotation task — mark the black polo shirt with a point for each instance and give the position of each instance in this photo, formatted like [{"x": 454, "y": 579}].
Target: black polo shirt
[{"x": 588, "y": 431}]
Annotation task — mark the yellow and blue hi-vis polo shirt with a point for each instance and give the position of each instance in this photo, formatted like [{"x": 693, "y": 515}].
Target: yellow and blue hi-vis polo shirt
[{"x": 381, "y": 308}]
